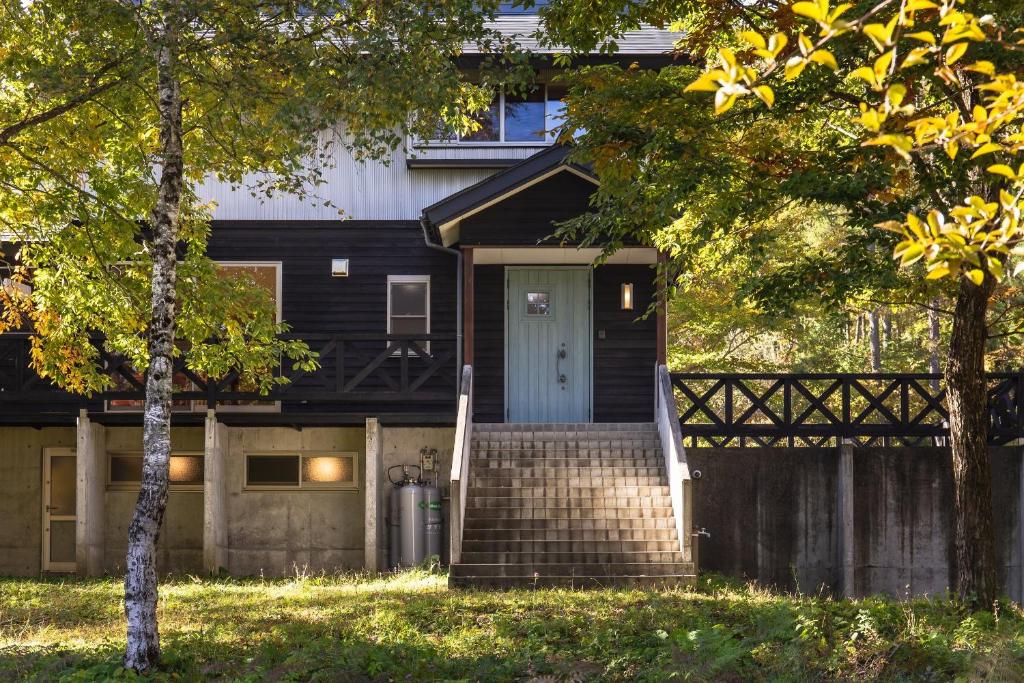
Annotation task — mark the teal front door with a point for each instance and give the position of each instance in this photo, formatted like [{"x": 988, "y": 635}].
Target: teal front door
[{"x": 548, "y": 367}]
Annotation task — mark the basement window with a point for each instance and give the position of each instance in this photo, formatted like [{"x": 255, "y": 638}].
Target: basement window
[
  {"x": 125, "y": 470},
  {"x": 300, "y": 471}
]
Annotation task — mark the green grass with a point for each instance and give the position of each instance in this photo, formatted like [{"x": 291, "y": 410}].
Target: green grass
[{"x": 411, "y": 627}]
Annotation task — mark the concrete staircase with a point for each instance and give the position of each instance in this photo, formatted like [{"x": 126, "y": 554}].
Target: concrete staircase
[{"x": 576, "y": 505}]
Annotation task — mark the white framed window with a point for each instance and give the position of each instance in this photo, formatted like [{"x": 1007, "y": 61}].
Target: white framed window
[
  {"x": 124, "y": 470},
  {"x": 530, "y": 119},
  {"x": 306, "y": 471},
  {"x": 409, "y": 306}
]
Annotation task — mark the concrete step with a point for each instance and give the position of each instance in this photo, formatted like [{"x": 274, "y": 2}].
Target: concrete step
[
  {"x": 572, "y": 558},
  {"x": 563, "y": 427},
  {"x": 555, "y": 513},
  {"x": 609, "y": 501},
  {"x": 510, "y": 481},
  {"x": 568, "y": 492},
  {"x": 498, "y": 522},
  {"x": 574, "y": 569},
  {"x": 569, "y": 546},
  {"x": 666, "y": 534},
  {"x": 576, "y": 582},
  {"x": 508, "y": 462},
  {"x": 478, "y": 446}
]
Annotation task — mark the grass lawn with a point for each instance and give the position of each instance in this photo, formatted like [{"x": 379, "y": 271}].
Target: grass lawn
[{"x": 411, "y": 627}]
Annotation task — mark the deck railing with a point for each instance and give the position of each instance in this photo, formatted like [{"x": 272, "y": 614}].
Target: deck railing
[
  {"x": 666, "y": 416},
  {"x": 774, "y": 409},
  {"x": 352, "y": 368}
]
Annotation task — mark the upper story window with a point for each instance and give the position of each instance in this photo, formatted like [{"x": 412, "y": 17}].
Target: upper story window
[
  {"x": 408, "y": 304},
  {"x": 519, "y": 119}
]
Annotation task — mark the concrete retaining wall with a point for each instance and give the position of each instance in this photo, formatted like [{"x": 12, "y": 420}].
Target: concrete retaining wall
[
  {"x": 775, "y": 515},
  {"x": 265, "y": 532}
]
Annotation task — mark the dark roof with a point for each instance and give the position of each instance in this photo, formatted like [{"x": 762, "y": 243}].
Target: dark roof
[{"x": 466, "y": 200}]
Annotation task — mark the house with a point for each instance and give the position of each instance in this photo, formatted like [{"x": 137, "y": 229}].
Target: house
[{"x": 454, "y": 335}]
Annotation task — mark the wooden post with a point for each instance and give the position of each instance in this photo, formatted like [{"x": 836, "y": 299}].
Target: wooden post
[
  {"x": 468, "y": 304},
  {"x": 661, "y": 284},
  {"x": 847, "y": 560}
]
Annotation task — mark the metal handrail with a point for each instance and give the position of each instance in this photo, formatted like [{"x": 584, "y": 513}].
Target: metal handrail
[
  {"x": 666, "y": 415},
  {"x": 461, "y": 462}
]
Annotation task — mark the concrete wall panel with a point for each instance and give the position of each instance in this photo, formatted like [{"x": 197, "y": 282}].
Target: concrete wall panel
[
  {"x": 281, "y": 532},
  {"x": 21, "y": 460},
  {"x": 771, "y": 513}
]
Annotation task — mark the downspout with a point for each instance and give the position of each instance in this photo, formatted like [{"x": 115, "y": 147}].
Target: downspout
[{"x": 424, "y": 223}]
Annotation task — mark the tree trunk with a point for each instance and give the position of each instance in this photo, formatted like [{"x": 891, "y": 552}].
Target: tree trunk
[
  {"x": 933, "y": 343},
  {"x": 876, "y": 343},
  {"x": 974, "y": 559},
  {"x": 140, "y": 583}
]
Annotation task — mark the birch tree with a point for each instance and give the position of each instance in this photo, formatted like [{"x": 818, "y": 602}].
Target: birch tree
[{"x": 113, "y": 111}]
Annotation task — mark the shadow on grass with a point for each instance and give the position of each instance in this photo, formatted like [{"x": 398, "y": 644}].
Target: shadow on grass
[{"x": 355, "y": 630}]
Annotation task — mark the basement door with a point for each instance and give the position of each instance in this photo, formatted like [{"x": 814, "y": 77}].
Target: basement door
[
  {"x": 548, "y": 367},
  {"x": 59, "y": 513}
]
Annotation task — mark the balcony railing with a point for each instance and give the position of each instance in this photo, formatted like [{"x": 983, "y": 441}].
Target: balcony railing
[
  {"x": 822, "y": 409},
  {"x": 367, "y": 368}
]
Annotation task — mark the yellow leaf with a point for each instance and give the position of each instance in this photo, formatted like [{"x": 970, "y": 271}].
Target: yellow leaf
[
  {"x": 707, "y": 82},
  {"x": 937, "y": 273},
  {"x": 955, "y": 52},
  {"x": 918, "y": 5},
  {"x": 987, "y": 149},
  {"x": 1003, "y": 170},
  {"x": 952, "y": 148},
  {"x": 765, "y": 94},
  {"x": 982, "y": 67},
  {"x": 724, "y": 101},
  {"x": 795, "y": 66},
  {"x": 811, "y": 10},
  {"x": 825, "y": 58},
  {"x": 864, "y": 73},
  {"x": 919, "y": 55},
  {"x": 976, "y": 276},
  {"x": 923, "y": 36},
  {"x": 754, "y": 38}
]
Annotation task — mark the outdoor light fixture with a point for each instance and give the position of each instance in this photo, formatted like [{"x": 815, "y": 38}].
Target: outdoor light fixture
[
  {"x": 627, "y": 296},
  {"x": 339, "y": 267}
]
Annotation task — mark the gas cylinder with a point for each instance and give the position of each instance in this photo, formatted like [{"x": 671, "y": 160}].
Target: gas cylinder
[{"x": 432, "y": 521}]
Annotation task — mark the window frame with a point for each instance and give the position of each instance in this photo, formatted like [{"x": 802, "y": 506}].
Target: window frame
[
  {"x": 134, "y": 485},
  {"x": 546, "y": 141},
  {"x": 409, "y": 279},
  {"x": 301, "y": 455}
]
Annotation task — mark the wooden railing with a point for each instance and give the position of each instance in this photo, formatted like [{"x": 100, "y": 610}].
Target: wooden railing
[
  {"x": 666, "y": 415},
  {"x": 352, "y": 368},
  {"x": 823, "y": 409},
  {"x": 461, "y": 453}
]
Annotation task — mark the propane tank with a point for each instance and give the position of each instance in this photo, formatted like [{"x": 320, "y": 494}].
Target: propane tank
[
  {"x": 412, "y": 514},
  {"x": 401, "y": 519},
  {"x": 432, "y": 521}
]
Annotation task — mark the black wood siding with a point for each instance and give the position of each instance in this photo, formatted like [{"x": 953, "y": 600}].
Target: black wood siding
[
  {"x": 529, "y": 216},
  {"x": 624, "y": 359},
  {"x": 489, "y": 344},
  {"x": 315, "y": 302}
]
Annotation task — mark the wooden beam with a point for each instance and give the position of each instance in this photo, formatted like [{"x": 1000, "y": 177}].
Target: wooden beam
[
  {"x": 662, "y": 309},
  {"x": 468, "y": 305}
]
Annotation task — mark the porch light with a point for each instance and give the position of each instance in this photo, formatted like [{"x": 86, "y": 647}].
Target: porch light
[
  {"x": 339, "y": 267},
  {"x": 627, "y": 296}
]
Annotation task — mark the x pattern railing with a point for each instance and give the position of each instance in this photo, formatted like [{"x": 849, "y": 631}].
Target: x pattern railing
[
  {"x": 353, "y": 367},
  {"x": 822, "y": 409}
]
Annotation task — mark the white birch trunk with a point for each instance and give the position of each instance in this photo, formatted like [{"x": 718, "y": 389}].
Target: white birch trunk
[{"x": 140, "y": 584}]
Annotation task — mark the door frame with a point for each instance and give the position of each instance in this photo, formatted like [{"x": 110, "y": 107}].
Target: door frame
[
  {"x": 590, "y": 326},
  {"x": 46, "y": 565}
]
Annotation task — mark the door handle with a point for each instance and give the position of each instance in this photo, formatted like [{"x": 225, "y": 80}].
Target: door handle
[{"x": 560, "y": 355}]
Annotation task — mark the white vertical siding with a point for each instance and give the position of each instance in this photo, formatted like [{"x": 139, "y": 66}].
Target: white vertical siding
[{"x": 371, "y": 190}]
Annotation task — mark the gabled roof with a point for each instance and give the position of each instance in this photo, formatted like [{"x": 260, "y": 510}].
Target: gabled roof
[
  {"x": 649, "y": 40},
  {"x": 445, "y": 214}
]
